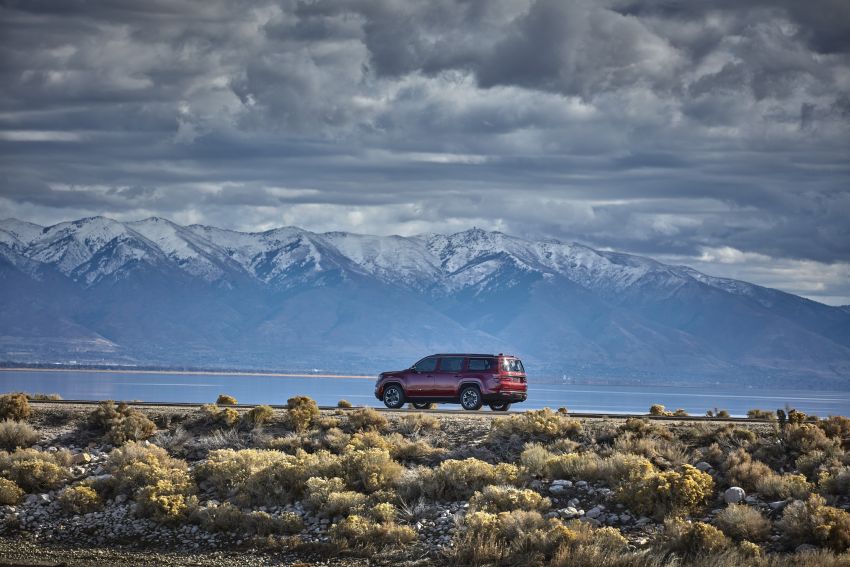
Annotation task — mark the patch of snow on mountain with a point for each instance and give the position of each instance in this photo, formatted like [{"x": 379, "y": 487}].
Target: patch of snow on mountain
[
  {"x": 70, "y": 244},
  {"x": 189, "y": 251},
  {"x": 392, "y": 258},
  {"x": 24, "y": 232}
]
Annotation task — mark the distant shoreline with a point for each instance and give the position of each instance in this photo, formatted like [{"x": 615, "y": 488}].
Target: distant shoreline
[{"x": 186, "y": 372}]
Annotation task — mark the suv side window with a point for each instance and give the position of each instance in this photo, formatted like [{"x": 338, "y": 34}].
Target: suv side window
[
  {"x": 481, "y": 364},
  {"x": 426, "y": 365},
  {"x": 451, "y": 364}
]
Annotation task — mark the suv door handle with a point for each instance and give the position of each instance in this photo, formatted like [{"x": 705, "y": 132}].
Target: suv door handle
[{"x": 458, "y": 376}]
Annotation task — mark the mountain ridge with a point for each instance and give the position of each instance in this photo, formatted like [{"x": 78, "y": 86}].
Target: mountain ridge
[{"x": 211, "y": 295}]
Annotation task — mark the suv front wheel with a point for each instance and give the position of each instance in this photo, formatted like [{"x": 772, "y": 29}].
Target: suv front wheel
[
  {"x": 500, "y": 406},
  {"x": 470, "y": 398},
  {"x": 393, "y": 396}
]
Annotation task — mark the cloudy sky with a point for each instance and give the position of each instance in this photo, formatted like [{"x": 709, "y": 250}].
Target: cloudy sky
[{"x": 713, "y": 133}]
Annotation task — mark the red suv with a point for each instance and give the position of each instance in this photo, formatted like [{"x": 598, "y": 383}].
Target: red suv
[{"x": 468, "y": 379}]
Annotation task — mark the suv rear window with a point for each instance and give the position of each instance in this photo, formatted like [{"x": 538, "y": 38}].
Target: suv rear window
[
  {"x": 451, "y": 364},
  {"x": 481, "y": 363},
  {"x": 512, "y": 365}
]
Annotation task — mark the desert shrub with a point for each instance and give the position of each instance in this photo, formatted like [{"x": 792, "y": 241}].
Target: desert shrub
[
  {"x": 495, "y": 499},
  {"x": 343, "y": 404},
  {"x": 644, "y": 427},
  {"x": 228, "y": 518},
  {"x": 680, "y": 413},
  {"x": 658, "y": 410},
  {"x": 120, "y": 424},
  {"x": 614, "y": 470},
  {"x": 14, "y": 406},
  {"x": 329, "y": 497},
  {"x": 836, "y": 482},
  {"x": 693, "y": 539},
  {"x": 752, "y": 475},
  {"x": 159, "y": 483},
  {"x": 813, "y": 522},
  {"x": 10, "y": 492},
  {"x": 804, "y": 438},
  {"x": 257, "y": 416},
  {"x": 520, "y": 537},
  {"x": 15, "y": 434},
  {"x": 761, "y": 414},
  {"x": 741, "y": 522},
  {"x": 399, "y": 447},
  {"x": 534, "y": 458},
  {"x": 226, "y": 400},
  {"x": 285, "y": 479},
  {"x": 35, "y": 471},
  {"x": 837, "y": 427},
  {"x": 227, "y": 469},
  {"x": 413, "y": 423},
  {"x": 671, "y": 451},
  {"x": 535, "y": 424},
  {"x": 665, "y": 493},
  {"x": 360, "y": 532},
  {"x": 79, "y": 499},
  {"x": 371, "y": 469},
  {"x": 39, "y": 397},
  {"x": 742, "y": 470},
  {"x": 367, "y": 419},
  {"x": 223, "y": 417},
  {"x": 784, "y": 486},
  {"x": 455, "y": 480},
  {"x": 302, "y": 413}
]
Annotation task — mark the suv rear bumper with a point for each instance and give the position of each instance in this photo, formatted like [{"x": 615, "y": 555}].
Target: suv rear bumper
[{"x": 506, "y": 397}]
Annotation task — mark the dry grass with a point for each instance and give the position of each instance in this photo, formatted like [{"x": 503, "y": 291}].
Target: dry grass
[
  {"x": 229, "y": 518},
  {"x": 366, "y": 534},
  {"x": 226, "y": 400},
  {"x": 344, "y": 404},
  {"x": 17, "y": 434},
  {"x": 525, "y": 538},
  {"x": 741, "y": 522},
  {"x": 544, "y": 425},
  {"x": 693, "y": 539},
  {"x": 414, "y": 423}
]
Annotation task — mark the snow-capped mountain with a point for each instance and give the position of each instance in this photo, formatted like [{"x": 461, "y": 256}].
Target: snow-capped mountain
[{"x": 156, "y": 292}]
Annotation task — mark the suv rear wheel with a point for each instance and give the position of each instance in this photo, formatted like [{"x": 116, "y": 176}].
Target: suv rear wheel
[
  {"x": 500, "y": 406},
  {"x": 393, "y": 396},
  {"x": 470, "y": 398}
]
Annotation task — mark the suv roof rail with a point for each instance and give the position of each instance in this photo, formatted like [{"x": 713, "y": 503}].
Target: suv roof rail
[{"x": 461, "y": 354}]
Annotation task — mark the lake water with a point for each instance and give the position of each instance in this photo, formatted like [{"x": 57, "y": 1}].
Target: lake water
[{"x": 249, "y": 389}]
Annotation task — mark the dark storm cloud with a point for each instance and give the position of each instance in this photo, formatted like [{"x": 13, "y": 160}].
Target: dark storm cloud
[{"x": 715, "y": 132}]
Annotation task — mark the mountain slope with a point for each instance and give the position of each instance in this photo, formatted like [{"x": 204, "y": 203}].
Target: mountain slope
[{"x": 154, "y": 292}]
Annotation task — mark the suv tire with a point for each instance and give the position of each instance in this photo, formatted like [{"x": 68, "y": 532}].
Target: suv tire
[
  {"x": 424, "y": 405},
  {"x": 393, "y": 396},
  {"x": 500, "y": 406},
  {"x": 470, "y": 398}
]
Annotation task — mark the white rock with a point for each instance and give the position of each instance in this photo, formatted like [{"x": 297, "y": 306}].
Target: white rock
[
  {"x": 703, "y": 466},
  {"x": 734, "y": 495}
]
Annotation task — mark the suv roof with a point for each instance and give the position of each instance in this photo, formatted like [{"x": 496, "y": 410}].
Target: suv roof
[{"x": 469, "y": 354}]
